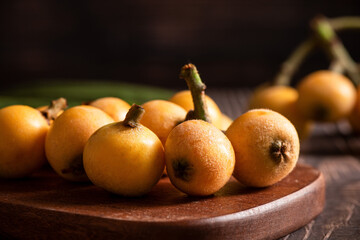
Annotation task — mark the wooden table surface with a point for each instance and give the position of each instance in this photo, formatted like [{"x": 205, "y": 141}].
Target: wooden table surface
[{"x": 333, "y": 150}]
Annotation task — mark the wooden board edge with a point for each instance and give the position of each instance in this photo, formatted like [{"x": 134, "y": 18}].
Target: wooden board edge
[{"x": 290, "y": 213}]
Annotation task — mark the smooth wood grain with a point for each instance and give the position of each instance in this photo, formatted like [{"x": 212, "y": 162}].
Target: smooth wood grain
[{"x": 45, "y": 205}]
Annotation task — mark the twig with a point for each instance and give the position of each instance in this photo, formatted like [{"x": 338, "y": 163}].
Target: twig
[
  {"x": 333, "y": 45},
  {"x": 293, "y": 62}
]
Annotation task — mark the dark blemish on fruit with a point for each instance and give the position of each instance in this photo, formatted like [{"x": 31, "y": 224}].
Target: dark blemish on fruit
[
  {"x": 279, "y": 151},
  {"x": 183, "y": 169},
  {"x": 76, "y": 167}
]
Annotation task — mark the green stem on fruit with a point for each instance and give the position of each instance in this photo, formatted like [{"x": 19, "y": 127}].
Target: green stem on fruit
[
  {"x": 55, "y": 106},
  {"x": 291, "y": 65},
  {"x": 133, "y": 116},
  {"x": 197, "y": 89},
  {"x": 333, "y": 45}
]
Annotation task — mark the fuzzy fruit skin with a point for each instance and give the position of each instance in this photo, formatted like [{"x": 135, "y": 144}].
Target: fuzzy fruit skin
[
  {"x": 326, "y": 96},
  {"x": 67, "y": 137},
  {"x": 206, "y": 154},
  {"x": 252, "y": 135},
  {"x": 22, "y": 136},
  {"x": 184, "y": 99},
  {"x": 161, "y": 117},
  {"x": 282, "y": 99},
  {"x": 113, "y": 106},
  {"x": 124, "y": 160}
]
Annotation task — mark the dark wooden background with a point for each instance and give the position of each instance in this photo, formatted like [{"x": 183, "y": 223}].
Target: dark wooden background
[{"x": 233, "y": 43}]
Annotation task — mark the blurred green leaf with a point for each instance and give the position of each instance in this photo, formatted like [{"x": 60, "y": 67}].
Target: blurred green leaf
[{"x": 77, "y": 91}]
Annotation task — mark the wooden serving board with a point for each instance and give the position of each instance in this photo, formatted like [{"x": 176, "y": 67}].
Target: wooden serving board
[{"x": 46, "y": 206}]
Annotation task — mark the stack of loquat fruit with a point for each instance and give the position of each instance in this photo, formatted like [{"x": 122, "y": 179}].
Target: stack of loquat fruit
[{"x": 127, "y": 149}]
